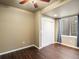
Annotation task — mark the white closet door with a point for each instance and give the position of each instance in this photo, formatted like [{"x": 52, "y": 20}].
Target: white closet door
[{"x": 47, "y": 32}]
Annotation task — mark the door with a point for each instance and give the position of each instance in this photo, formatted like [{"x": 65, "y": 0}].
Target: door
[{"x": 47, "y": 31}]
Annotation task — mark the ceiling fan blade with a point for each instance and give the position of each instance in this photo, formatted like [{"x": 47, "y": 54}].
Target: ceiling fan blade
[
  {"x": 46, "y": 0},
  {"x": 23, "y": 1},
  {"x": 35, "y": 5}
]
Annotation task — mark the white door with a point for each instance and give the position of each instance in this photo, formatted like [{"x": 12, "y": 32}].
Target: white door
[{"x": 47, "y": 32}]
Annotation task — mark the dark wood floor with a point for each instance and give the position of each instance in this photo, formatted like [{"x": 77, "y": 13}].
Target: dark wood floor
[{"x": 50, "y": 52}]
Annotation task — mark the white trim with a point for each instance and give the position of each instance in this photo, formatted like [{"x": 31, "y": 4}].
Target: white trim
[
  {"x": 37, "y": 47},
  {"x": 57, "y": 43},
  {"x": 68, "y": 36},
  {"x": 16, "y": 49},
  {"x": 43, "y": 47},
  {"x": 68, "y": 45},
  {"x": 3, "y": 53}
]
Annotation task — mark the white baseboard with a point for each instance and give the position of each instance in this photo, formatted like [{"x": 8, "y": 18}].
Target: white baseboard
[
  {"x": 68, "y": 45},
  {"x": 3, "y": 53},
  {"x": 16, "y": 49},
  {"x": 36, "y": 46},
  {"x": 46, "y": 46},
  {"x": 56, "y": 43}
]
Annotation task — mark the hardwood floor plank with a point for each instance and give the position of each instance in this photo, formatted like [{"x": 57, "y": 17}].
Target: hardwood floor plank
[{"x": 55, "y": 51}]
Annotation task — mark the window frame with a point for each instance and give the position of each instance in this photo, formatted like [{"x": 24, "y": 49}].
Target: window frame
[{"x": 70, "y": 31}]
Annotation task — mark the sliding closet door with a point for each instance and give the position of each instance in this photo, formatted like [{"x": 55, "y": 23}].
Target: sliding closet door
[{"x": 47, "y": 31}]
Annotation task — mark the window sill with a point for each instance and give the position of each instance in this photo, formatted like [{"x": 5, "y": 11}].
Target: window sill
[{"x": 69, "y": 36}]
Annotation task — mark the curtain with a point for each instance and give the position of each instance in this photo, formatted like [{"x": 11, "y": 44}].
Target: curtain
[
  {"x": 59, "y": 31},
  {"x": 78, "y": 33}
]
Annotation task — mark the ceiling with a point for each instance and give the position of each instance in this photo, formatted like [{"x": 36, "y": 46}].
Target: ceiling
[
  {"x": 70, "y": 8},
  {"x": 28, "y": 6}
]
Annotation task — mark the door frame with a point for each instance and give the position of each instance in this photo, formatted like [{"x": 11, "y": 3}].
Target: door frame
[{"x": 40, "y": 30}]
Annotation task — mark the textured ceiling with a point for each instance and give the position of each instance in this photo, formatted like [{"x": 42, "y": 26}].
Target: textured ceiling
[
  {"x": 70, "y": 8},
  {"x": 28, "y": 6}
]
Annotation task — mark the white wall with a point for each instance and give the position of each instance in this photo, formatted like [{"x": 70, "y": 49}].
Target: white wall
[
  {"x": 16, "y": 28},
  {"x": 69, "y": 40}
]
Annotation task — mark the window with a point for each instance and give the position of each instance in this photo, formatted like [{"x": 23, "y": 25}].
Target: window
[{"x": 69, "y": 26}]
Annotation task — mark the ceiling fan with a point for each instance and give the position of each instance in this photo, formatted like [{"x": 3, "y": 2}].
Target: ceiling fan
[{"x": 33, "y": 1}]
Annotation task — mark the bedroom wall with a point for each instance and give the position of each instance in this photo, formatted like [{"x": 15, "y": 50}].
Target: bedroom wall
[{"x": 16, "y": 28}]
